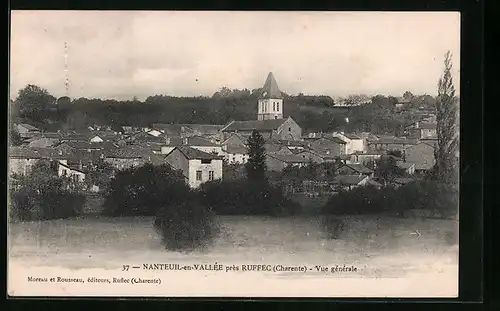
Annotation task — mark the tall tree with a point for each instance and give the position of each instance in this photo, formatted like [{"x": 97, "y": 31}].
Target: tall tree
[
  {"x": 256, "y": 165},
  {"x": 446, "y": 167},
  {"x": 34, "y": 101}
]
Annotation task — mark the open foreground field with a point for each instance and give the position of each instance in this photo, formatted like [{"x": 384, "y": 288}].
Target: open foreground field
[{"x": 393, "y": 257}]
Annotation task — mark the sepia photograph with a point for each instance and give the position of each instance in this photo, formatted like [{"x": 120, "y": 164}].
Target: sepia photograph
[{"x": 233, "y": 154}]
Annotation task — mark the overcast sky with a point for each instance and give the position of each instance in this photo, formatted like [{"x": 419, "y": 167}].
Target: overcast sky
[{"x": 125, "y": 54}]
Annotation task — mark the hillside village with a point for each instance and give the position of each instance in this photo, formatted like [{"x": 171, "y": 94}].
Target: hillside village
[{"x": 205, "y": 152}]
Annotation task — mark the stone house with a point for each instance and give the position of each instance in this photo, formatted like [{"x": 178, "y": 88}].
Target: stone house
[
  {"x": 421, "y": 155},
  {"x": 197, "y": 166},
  {"x": 277, "y": 129}
]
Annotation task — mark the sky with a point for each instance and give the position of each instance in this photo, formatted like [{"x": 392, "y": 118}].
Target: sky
[{"x": 122, "y": 54}]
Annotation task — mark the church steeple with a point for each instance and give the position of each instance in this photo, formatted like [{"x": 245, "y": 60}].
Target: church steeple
[{"x": 270, "y": 100}]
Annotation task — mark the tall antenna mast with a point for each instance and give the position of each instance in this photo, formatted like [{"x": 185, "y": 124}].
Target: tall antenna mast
[{"x": 66, "y": 78}]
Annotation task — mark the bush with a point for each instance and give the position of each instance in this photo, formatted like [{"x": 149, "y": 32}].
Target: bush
[
  {"x": 334, "y": 226},
  {"x": 244, "y": 197},
  {"x": 186, "y": 226},
  {"x": 42, "y": 195},
  {"x": 438, "y": 199},
  {"x": 27, "y": 205},
  {"x": 142, "y": 191},
  {"x": 362, "y": 200}
]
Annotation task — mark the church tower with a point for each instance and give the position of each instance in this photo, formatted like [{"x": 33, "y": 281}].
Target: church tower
[{"x": 270, "y": 100}]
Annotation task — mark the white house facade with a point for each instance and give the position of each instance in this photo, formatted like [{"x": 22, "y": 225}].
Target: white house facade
[{"x": 197, "y": 166}]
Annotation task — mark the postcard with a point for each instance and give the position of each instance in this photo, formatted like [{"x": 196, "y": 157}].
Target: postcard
[{"x": 233, "y": 154}]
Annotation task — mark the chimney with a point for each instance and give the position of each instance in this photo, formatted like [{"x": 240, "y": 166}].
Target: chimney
[
  {"x": 167, "y": 140},
  {"x": 185, "y": 141}
]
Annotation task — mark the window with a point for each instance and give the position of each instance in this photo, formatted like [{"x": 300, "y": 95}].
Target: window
[
  {"x": 198, "y": 175},
  {"x": 289, "y": 129},
  {"x": 274, "y": 106},
  {"x": 206, "y": 161},
  {"x": 278, "y": 107},
  {"x": 276, "y": 117},
  {"x": 211, "y": 175}
]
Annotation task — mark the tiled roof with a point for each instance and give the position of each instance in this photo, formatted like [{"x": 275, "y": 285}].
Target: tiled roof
[
  {"x": 349, "y": 179},
  {"x": 157, "y": 159},
  {"x": 171, "y": 129},
  {"x": 393, "y": 140},
  {"x": 404, "y": 165},
  {"x": 195, "y": 154},
  {"x": 270, "y": 90},
  {"x": 360, "y": 168},
  {"x": 352, "y": 136},
  {"x": 287, "y": 158},
  {"x": 207, "y": 129},
  {"x": 236, "y": 149},
  {"x": 34, "y": 153},
  {"x": 127, "y": 152},
  {"x": 293, "y": 143},
  {"x": 29, "y": 127},
  {"x": 263, "y": 125},
  {"x": 427, "y": 125}
]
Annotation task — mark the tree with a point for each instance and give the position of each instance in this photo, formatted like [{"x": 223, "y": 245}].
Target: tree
[
  {"x": 446, "y": 167},
  {"x": 408, "y": 95},
  {"x": 256, "y": 165},
  {"x": 387, "y": 170},
  {"x": 15, "y": 138},
  {"x": 33, "y": 102}
]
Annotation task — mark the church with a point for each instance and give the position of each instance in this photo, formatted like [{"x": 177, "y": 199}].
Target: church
[{"x": 270, "y": 122}]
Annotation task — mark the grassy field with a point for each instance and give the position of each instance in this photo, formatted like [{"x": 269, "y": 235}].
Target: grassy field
[{"x": 379, "y": 246}]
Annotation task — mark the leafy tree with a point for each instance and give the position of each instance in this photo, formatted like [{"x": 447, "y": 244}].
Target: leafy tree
[
  {"x": 446, "y": 167},
  {"x": 15, "y": 138},
  {"x": 143, "y": 190},
  {"x": 256, "y": 165},
  {"x": 387, "y": 170},
  {"x": 34, "y": 101},
  {"x": 408, "y": 95},
  {"x": 41, "y": 194}
]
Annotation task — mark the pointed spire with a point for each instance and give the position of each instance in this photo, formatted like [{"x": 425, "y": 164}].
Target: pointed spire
[{"x": 270, "y": 89}]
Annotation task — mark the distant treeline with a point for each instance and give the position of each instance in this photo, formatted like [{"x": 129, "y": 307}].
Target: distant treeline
[{"x": 312, "y": 113}]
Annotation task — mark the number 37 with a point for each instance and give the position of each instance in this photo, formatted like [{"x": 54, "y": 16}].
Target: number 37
[{"x": 125, "y": 267}]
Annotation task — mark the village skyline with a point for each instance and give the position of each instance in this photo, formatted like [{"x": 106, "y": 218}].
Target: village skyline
[{"x": 201, "y": 52}]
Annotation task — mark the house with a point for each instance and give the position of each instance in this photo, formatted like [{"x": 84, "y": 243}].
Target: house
[
  {"x": 42, "y": 142},
  {"x": 209, "y": 131},
  {"x": 349, "y": 182},
  {"x": 279, "y": 129},
  {"x": 354, "y": 142},
  {"x": 197, "y": 166},
  {"x": 422, "y": 130},
  {"x": 235, "y": 154},
  {"x": 187, "y": 130},
  {"x": 146, "y": 137},
  {"x": 22, "y": 158},
  {"x": 365, "y": 157},
  {"x": 401, "y": 181},
  {"x": 26, "y": 130},
  {"x": 196, "y": 142},
  {"x": 330, "y": 146},
  {"x": 353, "y": 169},
  {"x": 386, "y": 143},
  {"x": 127, "y": 157},
  {"x": 409, "y": 168},
  {"x": 74, "y": 172},
  {"x": 278, "y": 162},
  {"x": 234, "y": 140},
  {"x": 309, "y": 155},
  {"x": 421, "y": 155}
]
